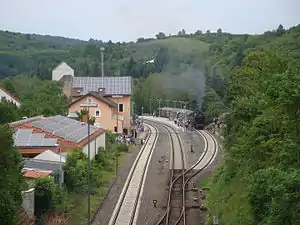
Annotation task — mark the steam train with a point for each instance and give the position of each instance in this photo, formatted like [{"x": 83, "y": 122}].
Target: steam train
[
  {"x": 195, "y": 118},
  {"x": 198, "y": 120}
]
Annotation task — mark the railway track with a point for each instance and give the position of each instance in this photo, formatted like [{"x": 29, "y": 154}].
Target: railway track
[
  {"x": 179, "y": 181},
  {"x": 125, "y": 212}
]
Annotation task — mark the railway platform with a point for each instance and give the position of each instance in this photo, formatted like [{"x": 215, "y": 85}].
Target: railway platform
[{"x": 163, "y": 120}]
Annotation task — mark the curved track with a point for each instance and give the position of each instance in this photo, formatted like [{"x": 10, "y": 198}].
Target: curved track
[
  {"x": 125, "y": 212},
  {"x": 176, "y": 195},
  {"x": 184, "y": 177}
]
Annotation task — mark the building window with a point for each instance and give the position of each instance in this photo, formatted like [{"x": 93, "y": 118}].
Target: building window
[
  {"x": 121, "y": 108},
  {"x": 3, "y": 98},
  {"x": 89, "y": 100},
  {"x": 98, "y": 113}
]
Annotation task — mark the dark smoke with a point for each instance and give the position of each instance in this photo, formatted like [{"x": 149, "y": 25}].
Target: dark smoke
[{"x": 188, "y": 79}]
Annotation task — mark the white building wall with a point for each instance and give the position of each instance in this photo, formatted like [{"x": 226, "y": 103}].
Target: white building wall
[
  {"x": 3, "y": 94},
  {"x": 62, "y": 70},
  {"x": 28, "y": 202},
  {"x": 95, "y": 145}
]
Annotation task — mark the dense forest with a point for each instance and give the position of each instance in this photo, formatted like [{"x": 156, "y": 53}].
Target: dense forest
[{"x": 255, "y": 78}]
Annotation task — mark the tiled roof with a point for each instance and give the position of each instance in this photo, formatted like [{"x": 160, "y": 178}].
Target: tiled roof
[
  {"x": 35, "y": 174},
  {"x": 19, "y": 122},
  {"x": 60, "y": 134},
  {"x": 112, "y": 85},
  {"x": 13, "y": 97},
  {"x": 99, "y": 97},
  {"x": 64, "y": 127}
]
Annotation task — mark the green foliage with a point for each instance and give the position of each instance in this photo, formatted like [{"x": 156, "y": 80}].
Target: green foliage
[
  {"x": 275, "y": 196},
  {"x": 9, "y": 112},
  {"x": 37, "y": 97},
  {"x": 48, "y": 197},
  {"x": 76, "y": 172},
  {"x": 11, "y": 178},
  {"x": 121, "y": 147},
  {"x": 49, "y": 101},
  {"x": 110, "y": 139},
  {"x": 261, "y": 143}
]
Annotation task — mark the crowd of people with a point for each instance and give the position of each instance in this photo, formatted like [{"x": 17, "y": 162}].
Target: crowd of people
[{"x": 137, "y": 127}]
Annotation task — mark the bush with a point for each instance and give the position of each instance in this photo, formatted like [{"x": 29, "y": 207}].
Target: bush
[
  {"x": 110, "y": 139},
  {"x": 103, "y": 159},
  {"x": 11, "y": 179},
  {"x": 48, "y": 197},
  {"x": 76, "y": 172},
  {"x": 122, "y": 147}
]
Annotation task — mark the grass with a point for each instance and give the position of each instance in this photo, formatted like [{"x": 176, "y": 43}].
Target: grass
[
  {"x": 184, "y": 45},
  {"x": 229, "y": 201},
  {"x": 79, "y": 213}
]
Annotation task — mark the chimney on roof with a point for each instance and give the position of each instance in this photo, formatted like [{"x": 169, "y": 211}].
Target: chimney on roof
[
  {"x": 101, "y": 90},
  {"x": 77, "y": 91}
]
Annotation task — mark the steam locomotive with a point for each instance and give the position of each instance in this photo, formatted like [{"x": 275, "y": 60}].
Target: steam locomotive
[{"x": 197, "y": 119}]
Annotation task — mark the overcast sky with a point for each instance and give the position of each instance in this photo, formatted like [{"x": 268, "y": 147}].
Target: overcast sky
[{"x": 126, "y": 20}]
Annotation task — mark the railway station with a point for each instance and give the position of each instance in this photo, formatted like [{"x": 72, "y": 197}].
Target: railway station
[{"x": 171, "y": 113}]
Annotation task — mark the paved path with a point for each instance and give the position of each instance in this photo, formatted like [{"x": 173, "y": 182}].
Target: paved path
[
  {"x": 109, "y": 203},
  {"x": 127, "y": 207}
]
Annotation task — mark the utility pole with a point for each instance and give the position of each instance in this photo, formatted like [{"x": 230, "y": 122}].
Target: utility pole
[
  {"x": 174, "y": 103},
  {"x": 159, "y": 107},
  {"x": 168, "y": 103},
  {"x": 102, "y": 65},
  {"x": 88, "y": 105},
  {"x": 60, "y": 166},
  {"x": 150, "y": 106},
  {"x": 142, "y": 116},
  {"x": 118, "y": 117}
]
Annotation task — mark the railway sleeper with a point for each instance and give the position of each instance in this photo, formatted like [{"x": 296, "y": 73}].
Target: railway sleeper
[
  {"x": 172, "y": 206},
  {"x": 193, "y": 206}
]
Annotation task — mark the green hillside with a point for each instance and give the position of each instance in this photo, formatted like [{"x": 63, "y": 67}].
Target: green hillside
[{"x": 255, "y": 78}]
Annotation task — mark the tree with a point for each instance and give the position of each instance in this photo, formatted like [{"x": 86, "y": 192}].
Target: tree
[
  {"x": 9, "y": 112},
  {"x": 9, "y": 86},
  {"x": 76, "y": 169},
  {"x": 198, "y": 33},
  {"x": 280, "y": 30},
  {"x": 11, "y": 178},
  {"x": 83, "y": 114},
  {"x": 181, "y": 32},
  {"x": 160, "y": 35}
]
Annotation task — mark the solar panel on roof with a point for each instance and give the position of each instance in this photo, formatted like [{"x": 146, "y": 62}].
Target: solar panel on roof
[
  {"x": 21, "y": 143},
  {"x": 69, "y": 121},
  {"x": 112, "y": 85},
  {"x": 34, "y": 136},
  {"x": 35, "y": 142},
  {"x": 49, "y": 142},
  {"x": 54, "y": 126},
  {"x": 60, "y": 133},
  {"x": 58, "y": 118},
  {"x": 24, "y": 131},
  {"x": 40, "y": 123}
]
